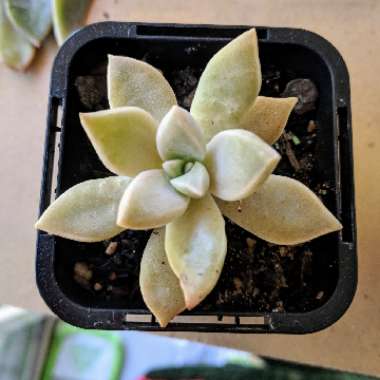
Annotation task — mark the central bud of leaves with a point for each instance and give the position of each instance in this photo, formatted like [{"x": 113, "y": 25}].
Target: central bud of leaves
[
  {"x": 189, "y": 178},
  {"x": 181, "y": 145}
]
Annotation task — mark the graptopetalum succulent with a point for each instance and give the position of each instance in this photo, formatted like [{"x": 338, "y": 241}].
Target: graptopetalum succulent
[{"x": 171, "y": 163}]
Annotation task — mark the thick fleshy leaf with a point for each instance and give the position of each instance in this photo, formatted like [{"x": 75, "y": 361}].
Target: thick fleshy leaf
[
  {"x": 124, "y": 139},
  {"x": 132, "y": 82},
  {"x": 86, "y": 212},
  {"x": 228, "y": 86},
  {"x": 150, "y": 202},
  {"x": 179, "y": 136},
  {"x": 194, "y": 183},
  {"x": 238, "y": 162},
  {"x": 159, "y": 285},
  {"x": 15, "y": 50},
  {"x": 267, "y": 117},
  {"x": 282, "y": 211},
  {"x": 30, "y": 17},
  {"x": 68, "y": 16},
  {"x": 196, "y": 247},
  {"x": 173, "y": 168}
]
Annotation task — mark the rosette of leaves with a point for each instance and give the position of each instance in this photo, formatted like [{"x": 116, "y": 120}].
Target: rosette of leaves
[{"x": 179, "y": 172}]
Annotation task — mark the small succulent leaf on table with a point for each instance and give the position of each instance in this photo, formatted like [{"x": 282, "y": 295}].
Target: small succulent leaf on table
[
  {"x": 180, "y": 137},
  {"x": 15, "y": 49},
  {"x": 131, "y": 82},
  {"x": 68, "y": 16},
  {"x": 238, "y": 162},
  {"x": 159, "y": 285},
  {"x": 194, "y": 183},
  {"x": 196, "y": 246},
  {"x": 267, "y": 117},
  {"x": 30, "y": 17},
  {"x": 86, "y": 212},
  {"x": 228, "y": 86},
  {"x": 151, "y": 202},
  {"x": 282, "y": 211},
  {"x": 124, "y": 139}
]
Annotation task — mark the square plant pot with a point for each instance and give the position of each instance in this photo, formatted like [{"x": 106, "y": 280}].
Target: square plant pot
[{"x": 276, "y": 289}]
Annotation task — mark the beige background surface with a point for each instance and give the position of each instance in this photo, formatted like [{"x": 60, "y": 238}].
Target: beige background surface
[{"x": 352, "y": 26}]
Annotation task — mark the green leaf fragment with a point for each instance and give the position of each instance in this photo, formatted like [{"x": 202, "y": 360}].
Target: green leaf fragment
[
  {"x": 68, "y": 16},
  {"x": 31, "y": 17},
  {"x": 295, "y": 139},
  {"x": 86, "y": 212},
  {"x": 124, "y": 139},
  {"x": 193, "y": 183},
  {"x": 15, "y": 50}
]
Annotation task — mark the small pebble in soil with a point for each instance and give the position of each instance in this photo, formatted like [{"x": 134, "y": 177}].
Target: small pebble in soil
[
  {"x": 312, "y": 126},
  {"x": 238, "y": 283},
  {"x": 306, "y": 92},
  {"x": 251, "y": 245},
  {"x": 190, "y": 50},
  {"x": 279, "y": 307},
  {"x": 319, "y": 295},
  {"x": 82, "y": 270},
  {"x": 111, "y": 248}
]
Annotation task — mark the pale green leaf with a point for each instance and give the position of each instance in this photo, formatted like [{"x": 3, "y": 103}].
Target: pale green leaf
[
  {"x": 228, "y": 86},
  {"x": 179, "y": 136},
  {"x": 30, "y": 17},
  {"x": 282, "y": 211},
  {"x": 196, "y": 246},
  {"x": 136, "y": 83},
  {"x": 124, "y": 139},
  {"x": 150, "y": 202},
  {"x": 86, "y": 212},
  {"x": 159, "y": 285},
  {"x": 194, "y": 183},
  {"x": 267, "y": 117},
  {"x": 173, "y": 168},
  {"x": 68, "y": 16},
  {"x": 15, "y": 50},
  {"x": 238, "y": 162}
]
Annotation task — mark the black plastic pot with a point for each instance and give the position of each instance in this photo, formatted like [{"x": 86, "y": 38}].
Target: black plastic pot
[{"x": 172, "y": 47}]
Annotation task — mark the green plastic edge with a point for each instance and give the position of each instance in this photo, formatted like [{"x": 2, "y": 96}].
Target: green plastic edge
[{"x": 63, "y": 330}]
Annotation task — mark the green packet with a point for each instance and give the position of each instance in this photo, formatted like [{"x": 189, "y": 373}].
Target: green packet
[{"x": 84, "y": 354}]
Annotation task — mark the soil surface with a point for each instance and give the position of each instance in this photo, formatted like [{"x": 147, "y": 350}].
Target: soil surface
[{"x": 257, "y": 276}]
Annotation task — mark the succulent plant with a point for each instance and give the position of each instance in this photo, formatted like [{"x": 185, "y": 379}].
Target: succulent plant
[{"x": 171, "y": 163}]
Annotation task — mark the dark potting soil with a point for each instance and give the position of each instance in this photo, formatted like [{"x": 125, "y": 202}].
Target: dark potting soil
[{"x": 257, "y": 276}]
